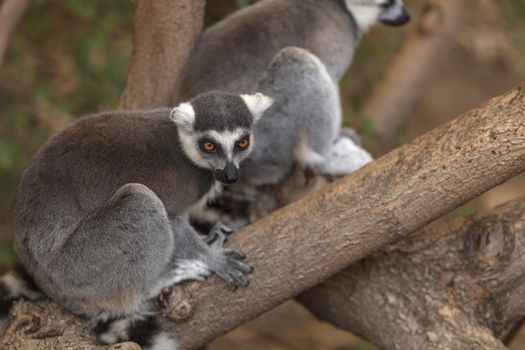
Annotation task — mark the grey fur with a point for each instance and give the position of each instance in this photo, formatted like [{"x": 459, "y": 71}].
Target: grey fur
[
  {"x": 102, "y": 214},
  {"x": 233, "y": 54},
  {"x": 304, "y": 123}
]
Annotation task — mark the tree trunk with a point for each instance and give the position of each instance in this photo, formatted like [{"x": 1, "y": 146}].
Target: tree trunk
[
  {"x": 450, "y": 286},
  {"x": 165, "y": 33},
  {"x": 413, "y": 68}
]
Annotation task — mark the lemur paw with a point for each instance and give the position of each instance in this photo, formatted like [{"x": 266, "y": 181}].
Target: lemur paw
[
  {"x": 231, "y": 268},
  {"x": 218, "y": 235}
]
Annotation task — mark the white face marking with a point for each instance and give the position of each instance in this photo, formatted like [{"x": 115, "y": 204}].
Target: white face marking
[
  {"x": 190, "y": 147},
  {"x": 365, "y": 15},
  {"x": 257, "y": 104},
  {"x": 227, "y": 139},
  {"x": 368, "y": 13}
]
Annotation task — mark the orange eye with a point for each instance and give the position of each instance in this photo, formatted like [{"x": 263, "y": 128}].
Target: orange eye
[
  {"x": 208, "y": 146},
  {"x": 244, "y": 143}
]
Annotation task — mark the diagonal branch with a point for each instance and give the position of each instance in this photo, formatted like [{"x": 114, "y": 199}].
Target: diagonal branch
[{"x": 298, "y": 246}]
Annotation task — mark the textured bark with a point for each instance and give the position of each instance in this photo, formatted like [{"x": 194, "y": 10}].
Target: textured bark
[
  {"x": 11, "y": 13},
  {"x": 450, "y": 286},
  {"x": 297, "y": 247},
  {"x": 414, "y": 67},
  {"x": 165, "y": 33}
]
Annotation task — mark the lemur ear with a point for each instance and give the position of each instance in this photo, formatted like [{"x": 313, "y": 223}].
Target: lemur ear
[
  {"x": 257, "y": 104},
  {"x": 184, "y": 116}
]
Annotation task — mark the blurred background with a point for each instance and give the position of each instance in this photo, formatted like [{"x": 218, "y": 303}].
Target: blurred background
[{"x": 69, "y": 58}]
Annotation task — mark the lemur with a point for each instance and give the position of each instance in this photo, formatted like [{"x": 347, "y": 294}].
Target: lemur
[
  {"x": 251, "y": 50},
  {"x": 102, "y": 211},
  {"x": 233, "y": 54}
]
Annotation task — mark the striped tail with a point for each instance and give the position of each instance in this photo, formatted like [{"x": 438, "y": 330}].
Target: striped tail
[
  {"x": 142, "y": 328},
  {"x": 15, "y": 284}
]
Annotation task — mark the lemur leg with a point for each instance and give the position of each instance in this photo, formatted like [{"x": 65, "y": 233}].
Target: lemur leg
[
  {"x": 195, "y": 259},
  {"x": 344, "y": 158},
  {"x": 312, "y": 102},
  {"x": 131, "y": 240}
]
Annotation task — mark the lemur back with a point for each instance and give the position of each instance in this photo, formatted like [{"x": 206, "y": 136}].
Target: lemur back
[{"x": 233, "y": 54}]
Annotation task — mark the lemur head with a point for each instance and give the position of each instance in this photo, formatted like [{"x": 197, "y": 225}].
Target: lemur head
[
  {"x": 369, "y": 12},
  {"x": 215, "y": 130}
]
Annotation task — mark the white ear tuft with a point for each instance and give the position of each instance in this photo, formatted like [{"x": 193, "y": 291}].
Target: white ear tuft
[
  {"x": 257, "y": 104},
  {"x": 184, "y": 116}
]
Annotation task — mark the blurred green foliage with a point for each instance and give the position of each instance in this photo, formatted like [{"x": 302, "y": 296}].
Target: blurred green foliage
[
  {"x": 514, "y": 13},
  {"x": 66, "y": 59}
]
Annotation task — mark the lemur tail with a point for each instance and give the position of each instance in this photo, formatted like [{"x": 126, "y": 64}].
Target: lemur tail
[
  {"x": 15, "y": 284},
  {"x": 142, "y": 328}
]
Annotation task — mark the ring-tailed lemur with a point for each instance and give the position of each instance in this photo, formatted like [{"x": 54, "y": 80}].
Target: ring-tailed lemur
[
  {"x": 305, "y": 122},
  {"x": 102, "y": 209},
  {"x": 233, "y": 54}
]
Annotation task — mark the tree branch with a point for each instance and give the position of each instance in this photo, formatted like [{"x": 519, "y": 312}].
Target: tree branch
[
  {"x": 296, "y": 247},
  {"x": 450, "y": 286},
  {"x": 413, "y": 68},
  {"x": 11, "y": 13},
  {"x": 164, "y": 34}
]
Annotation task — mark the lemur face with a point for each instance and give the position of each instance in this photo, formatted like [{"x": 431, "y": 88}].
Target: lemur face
[
  {"x": 215, "y": 130},
  {"x": 370, "y": 12}
]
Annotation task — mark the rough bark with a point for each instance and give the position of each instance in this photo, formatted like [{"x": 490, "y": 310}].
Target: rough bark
[
  {"x": 451, "y": 286},
  {"x": 164, "y": 34},
  {"x": 298, "y": 246},
  {"x": 11, "y": 13},
  {"x": 413, "y": 68}
]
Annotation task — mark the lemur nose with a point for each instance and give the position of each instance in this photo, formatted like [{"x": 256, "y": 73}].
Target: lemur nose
[
  {"x": 228, "y": 175},
  {"x": 231, "y": 173}
]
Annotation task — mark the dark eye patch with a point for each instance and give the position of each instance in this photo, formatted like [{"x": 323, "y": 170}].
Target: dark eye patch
[
  {"x": 244, "y": 137},
  {"x": 204, "y": 140}
]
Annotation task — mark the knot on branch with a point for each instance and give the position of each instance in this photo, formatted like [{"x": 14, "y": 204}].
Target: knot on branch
[
  {"x": 490, "y": 244},
  {"x": 177, "y": 302}
]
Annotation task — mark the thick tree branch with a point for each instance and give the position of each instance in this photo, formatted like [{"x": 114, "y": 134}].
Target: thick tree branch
[
  {"x": 296, "y": 247},
  {"x": 11, "y": 13},
  {"x": 165, "y": 33},
  {"x": 413, "y": 68},
  {"x": 450, "y": 286}
]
